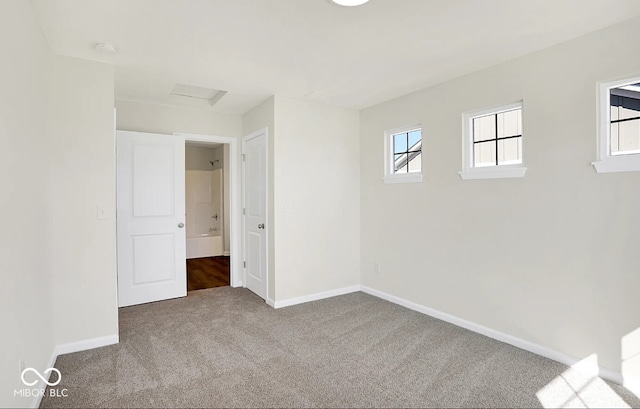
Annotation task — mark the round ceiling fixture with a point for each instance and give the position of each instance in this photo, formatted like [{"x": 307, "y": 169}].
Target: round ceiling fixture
[
  {"x": 350, "y": 3},
  {"x": 106, "y": 48}
]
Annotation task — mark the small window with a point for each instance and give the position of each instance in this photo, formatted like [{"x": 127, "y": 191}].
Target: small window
[
  {"x": 403, "y": 155},
  {"x": 493, "y": 143},
  {"x": 619, "y": 133}
]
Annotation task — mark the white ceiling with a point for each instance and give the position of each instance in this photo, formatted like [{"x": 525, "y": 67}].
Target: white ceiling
[{"x": 348, "y": 56}]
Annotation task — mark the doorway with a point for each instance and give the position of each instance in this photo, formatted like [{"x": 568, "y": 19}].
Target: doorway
[
  {"x": 151, "y": 215},
  {"x": 228, "y": 221},
  {"x": 206, "y": 214}
]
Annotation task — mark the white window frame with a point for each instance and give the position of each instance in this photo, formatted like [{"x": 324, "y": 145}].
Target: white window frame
[
  {"x": 389, "y": 175},
  {"x": 469, "y": 171},
  {"x": 606, "y": 162}
]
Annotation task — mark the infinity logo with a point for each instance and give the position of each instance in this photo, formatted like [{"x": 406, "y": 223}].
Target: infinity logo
[{"x": 42, "y": 378}]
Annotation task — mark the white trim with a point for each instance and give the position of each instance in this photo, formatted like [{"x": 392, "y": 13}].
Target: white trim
[
  {"x": 471, "y": 172},
  {"x": 86, "y": 344},
  {"x": 234, "y": 200},
  {"x": 563, "y": 358},
  {"x": 69, "y": 348},
  {"x": 389, "y": 175},
  {"x": 316, "y": 296},
  {"x": 607, "y": 163},
  {"x": 267, "y": 221},
  {"x": 493, "y": 172},
  {"x": 271, "y": 302},
  {"x": 226, "y": 253},
  {"x": 626, "y": 163}
]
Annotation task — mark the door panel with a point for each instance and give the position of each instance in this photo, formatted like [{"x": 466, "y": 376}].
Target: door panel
[
  {"x": 153, "y": 179},
  {"x": 153, "y": 258},
  {"x": 150, "y": 218},
  {"x": 255, "y": 212}
]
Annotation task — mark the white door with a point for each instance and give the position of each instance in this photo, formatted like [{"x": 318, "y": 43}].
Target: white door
[
  {"x": 150, "y": 217},
  {"x": 254, "y": 149}
]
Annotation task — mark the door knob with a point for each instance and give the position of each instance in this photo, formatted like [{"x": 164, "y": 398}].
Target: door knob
[
  {"x": 181, "y": 225},
  {"x": 261, "y": 226}
]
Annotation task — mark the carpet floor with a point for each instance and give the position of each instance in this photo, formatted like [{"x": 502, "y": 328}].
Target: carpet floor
[{"x": 224, "y": 347}]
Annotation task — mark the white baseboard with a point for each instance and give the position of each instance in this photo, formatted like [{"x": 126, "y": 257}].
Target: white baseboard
[
  {"x": 563, "y": 358},
  {"x": 271, "y": 303},
  {"x": 69, "y": 348},
  {"x": 86, "y": 344},
  {"x": 226, "y": 253},
  {"x": 315, "y": 297}
]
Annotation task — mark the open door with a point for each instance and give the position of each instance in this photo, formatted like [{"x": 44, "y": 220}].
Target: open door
[
  {"x": 150, "y": 217},
  {"x": 254, "y": 149}
]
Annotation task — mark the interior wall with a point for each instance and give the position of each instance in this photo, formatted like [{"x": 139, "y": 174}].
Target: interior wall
[
  {"x": 200, "y": 158},
  {"x": 316, "y": 198},
  {"x": 26, "y": 301},
  {"x": 81, "y": 187},
  {"x": 551, "y": 258},
  {"x": 141, "y": 117},
  {"x": 263, "y": 116}
]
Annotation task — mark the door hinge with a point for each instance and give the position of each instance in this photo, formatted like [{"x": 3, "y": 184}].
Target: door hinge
[
  {"x": 243, "y": 157},
  {"x": 244, "y": 211},
  {"x": 244, "y": 263}
]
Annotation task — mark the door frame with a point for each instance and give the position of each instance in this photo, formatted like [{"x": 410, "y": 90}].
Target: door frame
[
  {"x": 235, "y": 210},
  {"x": 267, "y": 220}
]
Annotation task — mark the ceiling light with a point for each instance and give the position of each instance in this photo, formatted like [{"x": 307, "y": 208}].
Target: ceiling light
[
  {"x": 350, "y": 3},
  {"x": 106, "y": 48}
]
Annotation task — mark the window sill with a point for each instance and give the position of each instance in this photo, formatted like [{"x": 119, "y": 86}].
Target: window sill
[
  {"x": 626, "y": 163},
  {"x": 493, "y": 172},
  {"x": 404, "y": 178}
]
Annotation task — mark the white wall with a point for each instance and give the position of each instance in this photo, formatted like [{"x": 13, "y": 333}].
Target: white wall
[
  {"x": 26, "y": 302},
  {"x": 200, "y": 158},
  {"x": 80, "y": 129},
  {"x": 551, "y": 258},
  {"x": 136, "y": 116},
  {"x": 316, "y": 198},
  {"x": 314, "y": 189}
]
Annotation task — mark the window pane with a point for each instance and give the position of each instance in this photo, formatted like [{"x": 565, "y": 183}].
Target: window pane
[
  {"x": 625, "y": 102},
  {"x": 400, "y": 163},
  {"x": 484, "y": 154},
  {"x": 400, "y": 143},
  {"x": 414, "y": 138},
  {"x": 510, "y": 151},
  {"x": 614, "y": 139},
  {"x": 484, "y": 128},
  {"x": 510, "y": 123},
  {"x": 415, "y": 163},
  {"x": 626, "y": 113},
  {"x": 614, "y": 112},
  {"x": 628, "y": 137}
]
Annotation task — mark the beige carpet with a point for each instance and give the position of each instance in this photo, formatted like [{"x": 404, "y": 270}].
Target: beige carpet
[{"x": 225, "y": 347}]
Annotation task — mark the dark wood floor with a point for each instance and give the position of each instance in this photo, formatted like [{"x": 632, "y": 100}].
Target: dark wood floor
[{"x": 207, "y": 272}]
